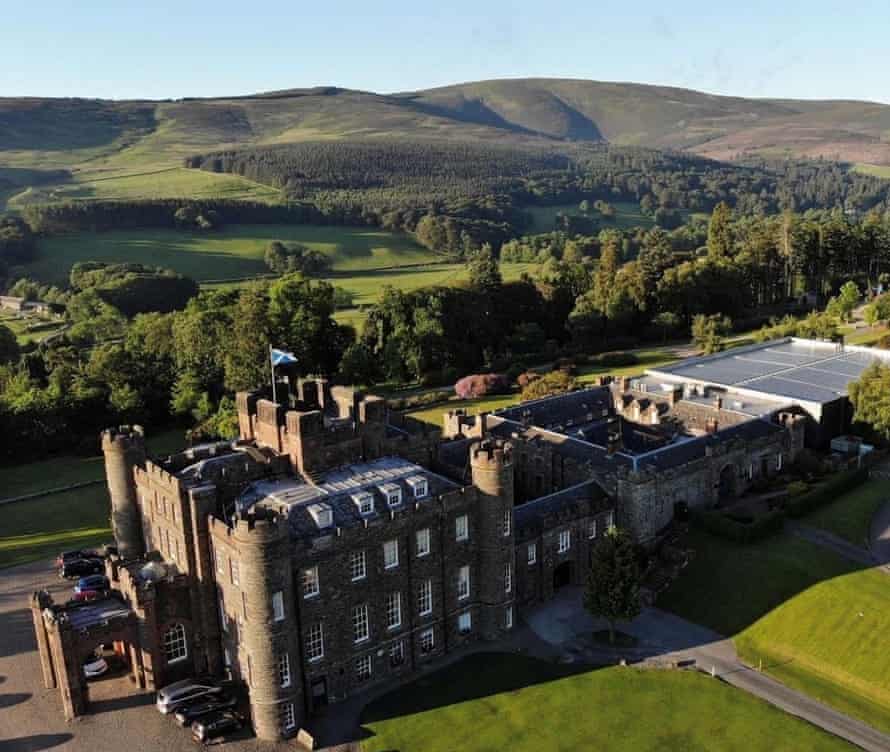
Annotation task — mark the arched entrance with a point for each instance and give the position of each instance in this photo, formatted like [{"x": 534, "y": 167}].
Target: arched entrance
[
  {"x": 562, "y": 575},
  {"x": 726, "y": 487}
]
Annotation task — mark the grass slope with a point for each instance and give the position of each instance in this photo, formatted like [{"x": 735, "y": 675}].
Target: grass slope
[
  {"x": 626, "y": 215},
  {"x": 509, "y": 702},
  {"x": 850, "y": 516},
  {"x": 831, "y": 642}
]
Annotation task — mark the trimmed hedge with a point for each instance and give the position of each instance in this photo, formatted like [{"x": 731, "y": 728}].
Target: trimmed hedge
[
  {"x": 801, "y": 506},
  {"x": 719, "y": 524}
]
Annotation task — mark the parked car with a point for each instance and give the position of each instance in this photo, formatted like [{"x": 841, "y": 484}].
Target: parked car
[
  {"x": 81, "y": 568},
  {"x": 215, "y": 725},
  {"x": 193, "y": 711},
  {"x": 80, "y": 553},
  {"x": 174, "y": 696},
  {"x": 95, "y": 665},
  {"x": 93, "y": 582}
]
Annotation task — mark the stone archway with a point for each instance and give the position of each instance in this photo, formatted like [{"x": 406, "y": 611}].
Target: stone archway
[
  {"x": 727, "y": 484},
  {"x": 562, "y": 575}
]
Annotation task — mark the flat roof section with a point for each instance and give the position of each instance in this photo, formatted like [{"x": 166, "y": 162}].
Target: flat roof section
[{"x": 795, "y": 369}]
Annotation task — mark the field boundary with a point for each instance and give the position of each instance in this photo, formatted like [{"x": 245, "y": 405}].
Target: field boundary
[{"x": 51, "y": 491}]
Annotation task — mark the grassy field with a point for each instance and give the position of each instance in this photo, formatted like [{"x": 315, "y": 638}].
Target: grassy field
[
  {"x": 850, "y": 516},
  {"x": 831, "y": 642},
  {"x": 878, "y": 171},
  {"x": 627, "y": 214},
  {"x": 867, "y": 337},
  {"x": 510, "y": 702},
  {"x": 29, "y": 329},
  {"x": 233, "y": 252}
]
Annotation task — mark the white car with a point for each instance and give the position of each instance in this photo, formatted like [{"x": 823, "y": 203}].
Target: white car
[{"x": 94, "y": 666}]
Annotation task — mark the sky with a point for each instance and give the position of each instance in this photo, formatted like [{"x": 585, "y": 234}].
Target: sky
[{"x": 160, "y": 49}]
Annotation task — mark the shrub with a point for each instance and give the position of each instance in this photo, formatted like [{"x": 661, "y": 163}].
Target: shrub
[
  {"x": 524, "y": 379},
  {"x": 798, "y": 487},
  {"x": 802, "y": 505},
  {"x": 884, "y": 342},
  {"x": 481, "y": 385},
  {"x": 719, "y": 524},
  {"x": 555, "y": 382},
  {"x": 617, "y": 359},
  {"x": 514, "y": 372}
]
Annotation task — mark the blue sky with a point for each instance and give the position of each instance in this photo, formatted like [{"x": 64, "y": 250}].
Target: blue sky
[{"x": 160, "y": 49}]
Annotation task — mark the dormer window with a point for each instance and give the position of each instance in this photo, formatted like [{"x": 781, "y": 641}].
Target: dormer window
[
  {"x": 322, "y": 515},
  {"x": 364, "y": 502},
  {"x": 419, "y": 486},
  {"x": 392, "y": 493}
]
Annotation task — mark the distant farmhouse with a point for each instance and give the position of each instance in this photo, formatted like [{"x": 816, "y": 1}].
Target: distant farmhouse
[
  {"x": 22, "y": 305},
  {"x": 337, "y": 543}
]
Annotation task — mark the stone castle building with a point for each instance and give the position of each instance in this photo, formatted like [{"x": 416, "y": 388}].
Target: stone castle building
[{"x": 337, "y": 543}]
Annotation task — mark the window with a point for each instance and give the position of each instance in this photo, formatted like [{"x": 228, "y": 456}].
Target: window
[
  {"x": 423, "y": 542},
  {"x": 779, "y": 460},
  {"x": 360, "y": 631},
  {"x": 610, "y": 520},
  {"x": 397, "y": 653},
  {"x": 419, "y": 486},
  {"x": 508, "y": 522},
  {"x": 364, "y": 501},
  {"x": 363, "y": 668},
  {"x": 508, "y": 618},
  {"x": 278, "y": 606},
  {"x": 223, "y": 619},
  {"x": 310, "y": 582},
  {"x": 289, "y": 719},
  {"x": 463, "y": 583},
  {"x": 591, "y": 530},
  {"x": 392, "y": 493},
  {"x": 234, "y": 572},
  {"x": 390, "y": 554},
  {"x": 315, "y": 642},
  {"x": 461, "y": 528},
  {"x": 532, "y": 553},
  {"x": 219, "y": 562},
  {"x": 284, "y": 670},
  {"x": 357, "y": 565},
  {"x": 464, "y": 622},
  {"x": 175, "y": 645},
  {"x": 751, "y": 471},
  {"x": 425, "y": 598},
  {"x": 565, "y": 541},
  {"x": 322, "y": 515},
  {"x": 426, "y": 641},
  {"x": 393, "y": 610},
  {"x": 508, "y": 577}
]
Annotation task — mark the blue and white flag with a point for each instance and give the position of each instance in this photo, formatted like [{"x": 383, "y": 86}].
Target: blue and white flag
[{"x": 282, "y": 358}]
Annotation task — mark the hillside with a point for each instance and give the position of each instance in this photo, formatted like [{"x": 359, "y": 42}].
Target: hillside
[{"x": 54, "y": 149}]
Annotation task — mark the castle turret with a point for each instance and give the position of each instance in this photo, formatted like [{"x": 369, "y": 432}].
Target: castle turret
[
  {"x": 269, "y": 636},
  {"x": 124, "y": 449},
  {"x": 492, "y": 466}
]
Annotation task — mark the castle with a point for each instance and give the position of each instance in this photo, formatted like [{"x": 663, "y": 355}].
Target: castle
[{"x": 337, "y": 543}]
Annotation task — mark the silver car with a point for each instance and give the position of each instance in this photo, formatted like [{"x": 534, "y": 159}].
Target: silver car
[{"x": 179, "y": 693}]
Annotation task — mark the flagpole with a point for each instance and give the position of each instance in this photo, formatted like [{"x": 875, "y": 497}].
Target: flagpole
[{"x": 272, "y": 363}]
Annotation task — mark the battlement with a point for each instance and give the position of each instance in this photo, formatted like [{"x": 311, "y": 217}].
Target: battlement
[
  {"x": 122, "y": 438},
  {"x": 491, "y": 452},
  {"x": 260, "y": 526}
]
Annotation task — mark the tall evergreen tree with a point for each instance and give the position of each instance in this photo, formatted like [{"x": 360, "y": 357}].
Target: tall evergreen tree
[{"x": 614, "y": 581}]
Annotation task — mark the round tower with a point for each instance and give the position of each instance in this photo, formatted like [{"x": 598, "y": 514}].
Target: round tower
[
  {"x": 491, "y": 462},
  {"x": 124, "y": 449},
  {"x": 269, "y": 636}
]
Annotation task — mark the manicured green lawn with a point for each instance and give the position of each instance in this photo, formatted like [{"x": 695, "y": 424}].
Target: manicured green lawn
[
  {"x": 473, "y": 407},
  {"x": 831, "y": 642},
  {"x": 729, "y": 586},
  {"x": 233, "y": 252},
  {"x": 850, "y": 516},
  {"x": 645, "y": 359},
  {"x": 40, "y": 528},
  {"x": 509, "y": 702}
]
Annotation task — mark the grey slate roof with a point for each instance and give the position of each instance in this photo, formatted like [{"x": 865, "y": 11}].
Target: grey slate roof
[
  {"x": 535, "y": 516},
  {"x": 562, "y": 411}
]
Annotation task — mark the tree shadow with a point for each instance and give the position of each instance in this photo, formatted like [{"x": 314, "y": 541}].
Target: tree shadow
[{"x": 34, "y": 743}]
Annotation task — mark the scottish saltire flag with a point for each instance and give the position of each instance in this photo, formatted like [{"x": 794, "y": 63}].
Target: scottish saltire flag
[{"x": 282, "y": 358}]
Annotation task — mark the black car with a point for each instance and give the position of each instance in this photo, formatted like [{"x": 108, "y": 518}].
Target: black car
[
  {"x": 192, "y": 711},
  {"x": 214, "y": 725},
  {"x": 82, "y": 568},
  {"x": 68, "y": 556}
]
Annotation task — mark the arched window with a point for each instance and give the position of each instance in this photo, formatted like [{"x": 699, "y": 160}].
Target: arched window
[{"x": 175, "y": 645}]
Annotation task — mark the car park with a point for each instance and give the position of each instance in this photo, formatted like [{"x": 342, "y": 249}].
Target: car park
[
  {"x": 94, "y": 666},
  {"x": 81, "y": 568},
  {"x": 174, "y": 696},
  {"x": 68, "y": 556},
  {"x": 194, "y": 711},
  {"x": 96, "y": 582},
  {"x": 216, "y": 725}
]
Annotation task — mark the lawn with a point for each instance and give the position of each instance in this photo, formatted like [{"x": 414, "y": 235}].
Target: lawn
[
  {"x": 831, "y": 642},
  {"x": 850, "y": 516},
  {"x": 510, "y": 702},
  {"x": 473, "y": 407},
  {"x": 233, "y": 252},
  {"x": 29, "y": 329}
]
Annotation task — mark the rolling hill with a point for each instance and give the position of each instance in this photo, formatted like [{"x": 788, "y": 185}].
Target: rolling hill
[{"x": 81, "y": 148}]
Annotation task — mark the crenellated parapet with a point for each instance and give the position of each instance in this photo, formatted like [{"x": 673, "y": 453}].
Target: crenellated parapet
[{"x": 124, "y": 450}]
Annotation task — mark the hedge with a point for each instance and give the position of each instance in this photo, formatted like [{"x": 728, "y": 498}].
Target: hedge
[
  {"x": 800, "y": 506},
  {"x": 719, "y": 524}
]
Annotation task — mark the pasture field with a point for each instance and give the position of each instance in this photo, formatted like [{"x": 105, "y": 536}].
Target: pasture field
[
  {"x": 233, "y": 252},
  {"x": 627, "y": 214},
  {"x": 878, "y": 171},
  {"x": 497, "y": 701}
]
